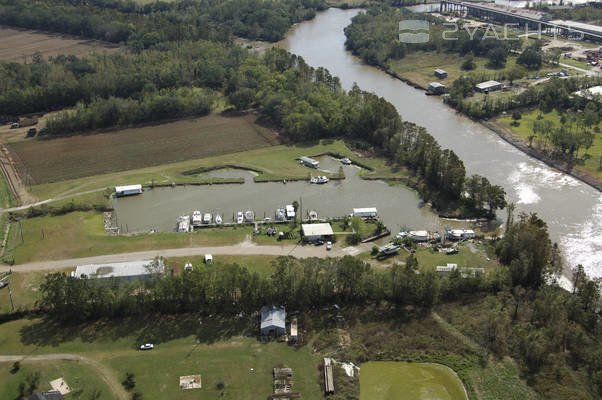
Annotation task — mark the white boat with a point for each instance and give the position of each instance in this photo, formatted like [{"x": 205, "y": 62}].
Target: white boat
[
  {"x": 313, "y": 215},
  {"x": 346, "y": 161},
  {"x": 207, "y": 218},
  {"x": 184, "y": 224},
  {"x": 240, "y": 218},
  {"x": 218, "y": 219},
  {"x": 290, "y": 211},
  {"x": 322, "y": 179},
  {"x": 197, "y": 218},
  {"x": 249, "y": 216}
]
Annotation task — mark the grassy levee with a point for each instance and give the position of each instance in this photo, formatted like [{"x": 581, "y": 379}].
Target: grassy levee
[
  {"x": 277, "y": 162},
  {"x": 81, "y": 234},
  {"x": 589, "y": 164},
  {"x": 82, "y": 379}
]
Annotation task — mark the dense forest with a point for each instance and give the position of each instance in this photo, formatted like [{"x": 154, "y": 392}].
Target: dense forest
[
  {"x": 554, "y": 334},
  {"x": 144, "y": 26},
  {"x": 374, "y": 36}
]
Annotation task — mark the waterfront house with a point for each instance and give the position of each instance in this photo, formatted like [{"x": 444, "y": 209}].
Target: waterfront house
[{"x": 314, "y": 232}]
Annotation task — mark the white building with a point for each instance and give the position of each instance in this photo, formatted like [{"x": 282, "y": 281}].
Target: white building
[
  {"x": 488, "y": 86},
  {"x": 128, "y": 190},
  {"x": 419, "y": 236},
  {"x": 313, "y": 232},
  {"x": 446, "y": 270},
  {"x": 368, "y": 212},
  {"x": 129, "y": 271},
  {"x": 458, "y": 234}
]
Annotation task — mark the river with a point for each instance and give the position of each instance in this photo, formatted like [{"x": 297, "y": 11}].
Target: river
[{"x": 572, "y": 209}]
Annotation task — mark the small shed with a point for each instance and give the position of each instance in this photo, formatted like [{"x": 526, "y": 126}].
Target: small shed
[
  {"x": 488, "y": 86},
  {"x": 273, "y": 321},
  {"x": 128, "y": 190},
  {"x": 313, "y": 232},
  {"x": 436, "y": 88},
  {"x": 441, "y": 74}
]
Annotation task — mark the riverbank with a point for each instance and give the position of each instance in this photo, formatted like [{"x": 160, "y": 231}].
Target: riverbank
[{"x": 522, "y": 145}]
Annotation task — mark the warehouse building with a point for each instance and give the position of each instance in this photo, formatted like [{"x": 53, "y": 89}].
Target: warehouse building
[{"x": 488, "y": 86}]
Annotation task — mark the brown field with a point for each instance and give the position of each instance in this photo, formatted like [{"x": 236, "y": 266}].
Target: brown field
[
  {"x": 73, "y": 157},
  {"x": 19, "y": 44}
]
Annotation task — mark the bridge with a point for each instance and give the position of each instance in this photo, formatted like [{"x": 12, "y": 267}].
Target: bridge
[{"x": 531, "y": 19}]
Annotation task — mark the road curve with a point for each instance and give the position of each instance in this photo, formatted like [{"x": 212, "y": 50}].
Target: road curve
[
  {"x": 107, "y": 374},
  {"x": 242, "y": 249}
]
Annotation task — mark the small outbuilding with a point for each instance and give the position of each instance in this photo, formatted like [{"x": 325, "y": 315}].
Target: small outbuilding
[
  {"x": 313, "y": 232},
  {"x": 273, "y": 321},
  {"x": 436, "y": 88},
  {"x": 488, "y": 86},
  {"x": 208, "y": 259},
  {"x": 441, "y": 74}
]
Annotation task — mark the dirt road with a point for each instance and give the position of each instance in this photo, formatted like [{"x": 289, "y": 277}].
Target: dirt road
[
  {"x": 106, "y": 373},
  {"x": 242, "y": 249}
]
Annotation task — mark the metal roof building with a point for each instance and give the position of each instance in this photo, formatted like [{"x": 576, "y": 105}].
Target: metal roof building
[
  {"x": 488, "y": 86},
  {"x": 310, "y": 162},
  {"x": 591, "y": 93},
  {"x": 316, "y": 231},
  {"x": 273, "y": 321},
  {"x": 129, "y": 271}
]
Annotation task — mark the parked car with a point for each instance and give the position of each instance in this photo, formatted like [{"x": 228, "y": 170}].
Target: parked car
[
  {"x": 43, "y": 131},
  {"x": 31, "y": 132},
  {"x": 2, "y": 284},
  {"x": 147, "y": 346},
  {"x": 14, "y": 125},
  {"x": 319, "y": 242},
  {"x": 328, "y": 245}
]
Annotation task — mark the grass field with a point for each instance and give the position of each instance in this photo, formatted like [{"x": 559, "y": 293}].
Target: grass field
[
  {"x": 78, "y": 156},
  {"x": 384, "y": 380},
  {"x": 81, "y": 234},
  {"x": 591, "y": 162},
  {"x": 419, "y": 67},
  {"x": 83, "y": 379},
  {"x": 216, "y": 350},
  {"x": 18, "y": 45}
]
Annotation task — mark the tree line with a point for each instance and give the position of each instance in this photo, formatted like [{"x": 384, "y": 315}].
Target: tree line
[{"x": 144, "y": 26}]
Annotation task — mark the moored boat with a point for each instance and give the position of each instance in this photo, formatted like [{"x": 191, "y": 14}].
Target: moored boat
[
  {"x": 197, "y": 218},
  {"x": 184, "y": 224},
  {"x": 240, "y": 218},
  {"x": 207, "y": 218},
  {"x": 218, "y": 219}
]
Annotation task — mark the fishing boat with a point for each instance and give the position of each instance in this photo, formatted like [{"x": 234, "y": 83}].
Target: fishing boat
[
  {"x": 218, "y": 219},
  {"x": 280, "y": 214},
  {"x": 184, "y": 224},
  {"x": 345, "y": 161},
  {"x": 249, "y": 216},
  {"x": 321, "y": 179},
  {"x": 207, "y": 218},
  {"x": 313, "y": 215},
  {"x": 197, "y": 218},
  {"x": 240, "y": 218}
]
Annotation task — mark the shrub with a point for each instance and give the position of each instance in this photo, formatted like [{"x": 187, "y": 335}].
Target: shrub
[{"x": 516, "y": 116}]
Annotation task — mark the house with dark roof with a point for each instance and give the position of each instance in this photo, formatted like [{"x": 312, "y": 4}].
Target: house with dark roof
[{"x": 52, "y": 395}]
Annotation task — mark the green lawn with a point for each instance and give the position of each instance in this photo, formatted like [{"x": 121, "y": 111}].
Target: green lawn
[
  {"x": 590, "y": 162},
  {"x": 81, "y": 234},
  {"x": 254, "y": 263},
  {"x": 575, "y": 63},
  {"x": 82, "y": 378},
  {"x": 389, "y": 380},
  {"x": 215, "y": 350}
]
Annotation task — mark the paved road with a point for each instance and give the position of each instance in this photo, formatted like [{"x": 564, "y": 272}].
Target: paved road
[
  {"x": 243, "y": 249},
  {"x": 107, "y": 374}
]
